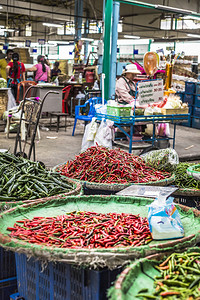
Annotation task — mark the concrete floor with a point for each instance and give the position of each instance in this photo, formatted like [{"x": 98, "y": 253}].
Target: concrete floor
[{"x": 57, "y": 147}]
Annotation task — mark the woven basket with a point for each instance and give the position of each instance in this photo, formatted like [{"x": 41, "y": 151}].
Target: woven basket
[
  {"x": 187, "y": 192},
  {"x": 104, "y": 257},
  {"x": 3, "y": 102},
  {"x": 115, "y": 187},
  {"x": 131, "y": 276},
  {"x": 76, "y": 191}
]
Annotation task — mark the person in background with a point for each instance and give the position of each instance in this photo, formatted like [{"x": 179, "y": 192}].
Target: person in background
[
  {"x": 4, "y": 62},
  {"x": 42, "y": 71},
  {"x": 125, "y": 87},
  {"x": 55, "y": 71},
  {"x": 15, "y": 72},
  {"x": 46, "y": 60}
]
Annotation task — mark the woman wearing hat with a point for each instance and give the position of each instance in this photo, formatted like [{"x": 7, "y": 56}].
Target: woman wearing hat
[{"x": 125, "y": 87}]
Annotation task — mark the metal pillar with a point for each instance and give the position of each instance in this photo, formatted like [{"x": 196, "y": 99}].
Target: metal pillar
[
  {"x": 86, "y": 43},
  {"x": 113, "y": 72},
  {"x": 107, "y": 45},
  {"x": 78, "y": 11}
]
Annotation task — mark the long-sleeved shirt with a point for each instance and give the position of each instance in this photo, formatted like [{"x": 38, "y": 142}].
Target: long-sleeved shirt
[{"x": 122, "y": 90}]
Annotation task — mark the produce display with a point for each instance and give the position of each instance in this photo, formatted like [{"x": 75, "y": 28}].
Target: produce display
[
  {"x": 164, "y": 159},
  {"x": 84, "y": 230},
  {"x": 182, "y": 180},
  {"x": 99, "y": 164},
  {"x": 179, "y": 278},
  {"x": 22, "y": 179},
  {"x": 3, "y": 83}
]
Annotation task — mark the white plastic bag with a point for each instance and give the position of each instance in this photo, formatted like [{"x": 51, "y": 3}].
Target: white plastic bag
[
  {"x": 164, "y": 220},
  {"x": 105, "y": 134},
  {"x": 11, "y": 100},
  {"x": 89, "y": 135}
]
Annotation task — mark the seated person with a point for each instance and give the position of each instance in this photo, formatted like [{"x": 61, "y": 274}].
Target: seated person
[
  {"x": 55, "y": 71},
  {"x": 125, "y": 87}
]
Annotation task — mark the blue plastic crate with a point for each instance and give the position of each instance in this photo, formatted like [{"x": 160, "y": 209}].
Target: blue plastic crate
[
  {"x": 196, "y": 123},
  {"x": 198, "y": 88},
  {"x": 61, "y": 281},
  {"x": 196, "y": 111},
  {"x": 190, "y": 87},
  {"x": 197, "y": 100},
  {"x": 7, "y": 263},
  {"x": 188, "y": 98},
  {"x": 8, "y": 287}
]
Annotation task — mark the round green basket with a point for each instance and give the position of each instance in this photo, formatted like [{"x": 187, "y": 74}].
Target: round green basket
[
  {"x": 77, "y": 190},
  {"x": 138, "y": 276},
  {"x": 104, "y": 257},
  {"x": 115, "y": 187}
]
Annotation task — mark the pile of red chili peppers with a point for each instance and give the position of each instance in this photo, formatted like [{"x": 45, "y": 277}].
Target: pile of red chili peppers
[
  {"x": 99, "y": 164},
  {"x": 84, "y": 230}
]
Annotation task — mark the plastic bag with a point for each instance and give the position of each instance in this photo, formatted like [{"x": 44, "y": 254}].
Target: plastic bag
[
  {"x": 11, "y": 100},
  {"x": 105, "y": 134},
  {"x": 163, "y": 129},
  {"x": 164, "y": 220},
  {"x": 89, "y": 134},
  {"x": 164, "y": 159}
]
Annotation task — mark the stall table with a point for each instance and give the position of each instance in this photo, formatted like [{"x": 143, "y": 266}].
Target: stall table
[
  {"x": 121, "y": 122},
  {"x": 53, "y": 103}
]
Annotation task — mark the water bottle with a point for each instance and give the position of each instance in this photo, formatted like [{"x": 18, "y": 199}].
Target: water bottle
[{"x": 80, "y": 78}]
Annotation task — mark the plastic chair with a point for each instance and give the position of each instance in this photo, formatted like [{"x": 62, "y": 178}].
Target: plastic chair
[
  {"x": 66, "y": 92},
  {"x": 87, "y": 118},
  {"x": 25, "y": 85}
]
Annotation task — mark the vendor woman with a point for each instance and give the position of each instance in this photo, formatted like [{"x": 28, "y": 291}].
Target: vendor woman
[{"x": 125, "y": 87}]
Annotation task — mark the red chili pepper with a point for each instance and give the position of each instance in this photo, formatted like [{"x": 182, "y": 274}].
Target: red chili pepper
[{"x": 84, "y": 230}]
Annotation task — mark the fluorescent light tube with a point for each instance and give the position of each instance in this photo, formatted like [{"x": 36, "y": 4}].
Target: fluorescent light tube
[
  {"x": 174, "y": 9},
  {"x": 52, "y": 25},
  {"x": 132, "y": 37},
  {"x": 194, "y": 35},
  {"x": 87, "y": 39}
]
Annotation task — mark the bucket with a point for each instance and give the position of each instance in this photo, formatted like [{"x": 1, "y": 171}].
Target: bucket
[{"x": 89, "y": 76}]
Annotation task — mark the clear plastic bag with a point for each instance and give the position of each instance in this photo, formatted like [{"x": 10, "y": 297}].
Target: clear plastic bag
[
  {"x": 164, "y": 159},
  {"x": 164, "y": 220}
]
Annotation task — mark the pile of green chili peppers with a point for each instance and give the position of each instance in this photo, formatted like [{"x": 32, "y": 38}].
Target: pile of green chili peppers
[
  {"x": 22, "y": 179},
  {"x": 179, "y": 278},
  {"x": 183, "y": 180}
]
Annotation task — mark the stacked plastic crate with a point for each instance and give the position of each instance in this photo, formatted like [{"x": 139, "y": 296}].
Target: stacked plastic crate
[
  {"x": 8, "y": 279},
  {"x": 188, "y": 97},
  {"x": 196, "y": 108}
]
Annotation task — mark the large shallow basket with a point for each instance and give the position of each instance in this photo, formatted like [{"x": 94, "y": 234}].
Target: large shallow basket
[
  {"x": 77, "y": 190},
  {"x": 136, "y": 276},
  {"x": 104, "y": 257},
  {"x": 105, "y": 188}
]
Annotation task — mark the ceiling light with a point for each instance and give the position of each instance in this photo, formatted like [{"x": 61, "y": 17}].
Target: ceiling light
[
  {"x": 52, "y": 25},
  {"x": 193, "y": 35},
  {"x": 191, "y": 18},
  {"x": 87, "y": 39},
  {"x": 132, "y": 37},
  {"x": 58, "y": 42},
  {"x": 1, "y": 7},
  {"x": 174, "y": 9}
]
